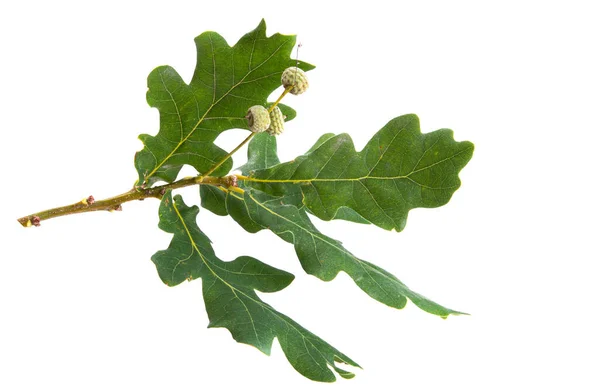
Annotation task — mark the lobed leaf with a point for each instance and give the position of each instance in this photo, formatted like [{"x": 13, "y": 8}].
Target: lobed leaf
[
  {"x": 320, "y": 255},
  {"x": 229, "y": 290},
  {"x": 286, "y": 216},
  {"x": 226, "y": 82},
  {"x": 398, "y": 170},
  {"x": 262, "y": 153}
]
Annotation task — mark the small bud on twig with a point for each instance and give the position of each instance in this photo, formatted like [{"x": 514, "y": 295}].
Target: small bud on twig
[
  {"x": 232, "y": 181},
  {"x": 116, "y": 208}
]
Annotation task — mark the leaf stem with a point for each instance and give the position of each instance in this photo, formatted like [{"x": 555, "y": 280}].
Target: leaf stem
[
  {"x": 114, "y": 203},
  {"x": 284, "y": 93},
  {"x": 238, "y": 147}
]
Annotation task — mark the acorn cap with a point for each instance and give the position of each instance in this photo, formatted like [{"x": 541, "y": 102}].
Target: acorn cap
[
  {"x": 293, "y": 76},
  {"x": 258, "y": 119}
]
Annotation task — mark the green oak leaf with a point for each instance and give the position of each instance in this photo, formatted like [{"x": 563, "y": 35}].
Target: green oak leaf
[
  {"x": 213, "y": 199},
  {"x": 286, "y": 215},
  {"x": 226, "y": 82},
  {"x": 229, "y": 290},
  {"x": 398, "y": 170},
  {"x": 262, "y": 154},
  {"x": 344, "y": 212},
  {"x": 320, "y": 255}
]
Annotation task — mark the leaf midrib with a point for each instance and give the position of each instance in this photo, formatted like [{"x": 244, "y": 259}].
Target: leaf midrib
[{"x": 357, "y": 179}]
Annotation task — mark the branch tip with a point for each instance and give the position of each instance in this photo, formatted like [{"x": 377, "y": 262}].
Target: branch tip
[{"x": 24, "y": 221}]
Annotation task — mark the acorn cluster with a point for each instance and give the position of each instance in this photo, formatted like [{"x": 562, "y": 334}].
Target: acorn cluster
[{"x": 271, "y": 120}]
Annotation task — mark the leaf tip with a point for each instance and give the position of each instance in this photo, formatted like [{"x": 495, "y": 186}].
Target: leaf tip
[
  {"x": 261, "y": 29},
  {"x": 471, "y": 146}
]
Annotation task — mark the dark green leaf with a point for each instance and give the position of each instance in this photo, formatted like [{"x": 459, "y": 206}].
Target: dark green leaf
[
  {"x": 320, "y": 255},
  {"x": 398, "y": 170},
  {"x": 262, "y": 153},
  {"x": 213, "y": 199},
  {"x": 284, "y": 214},
  {"x": 226, "y": 82},
  {"x": 230, "y": 297}
]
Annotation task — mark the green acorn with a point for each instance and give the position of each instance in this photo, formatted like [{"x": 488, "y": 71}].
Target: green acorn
[
  {"x": 277, "y": 119},
  {"x": 293, "y": 76},
  {"x": 258, "y": 119}
]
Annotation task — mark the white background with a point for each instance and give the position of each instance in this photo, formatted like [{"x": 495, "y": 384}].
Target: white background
[{"x": 81, "y": 303}]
